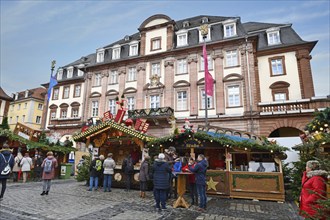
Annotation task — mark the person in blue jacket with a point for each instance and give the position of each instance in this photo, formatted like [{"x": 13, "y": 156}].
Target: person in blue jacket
[
  {"x": 200, "y": 179},
  {"x": 161, "y": 175},
  {"x": 5, "y": 157}
]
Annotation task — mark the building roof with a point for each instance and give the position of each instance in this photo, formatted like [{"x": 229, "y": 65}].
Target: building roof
[
  {"x": 37, "y": 93},
  {"x": 4, "y": 95}
]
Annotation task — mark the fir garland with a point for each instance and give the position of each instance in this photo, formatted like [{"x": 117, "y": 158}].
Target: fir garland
[
  {"x": 215, "y": 174},
  {"x": 36, "y": 145}
]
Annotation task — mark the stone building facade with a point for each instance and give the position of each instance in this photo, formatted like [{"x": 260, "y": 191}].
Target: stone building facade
[{"x": 263, "y": 80}]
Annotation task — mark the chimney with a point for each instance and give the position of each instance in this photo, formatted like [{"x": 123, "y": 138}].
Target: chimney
[
  {"x": 26, "y": 93},
  {"x": 16, "y": 96}
]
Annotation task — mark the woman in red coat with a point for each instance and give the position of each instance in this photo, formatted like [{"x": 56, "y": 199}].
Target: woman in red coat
[{"x": 313, "y": 189}]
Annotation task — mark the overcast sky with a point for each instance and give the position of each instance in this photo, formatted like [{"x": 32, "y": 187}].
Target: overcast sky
[{"x": 34, "y": 32}]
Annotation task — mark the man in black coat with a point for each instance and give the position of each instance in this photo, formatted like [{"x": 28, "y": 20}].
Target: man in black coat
[
  {"x": 5, "y": 158},
  {"x": 128, "y": 169},
  {"x": 161, "y": 175}
]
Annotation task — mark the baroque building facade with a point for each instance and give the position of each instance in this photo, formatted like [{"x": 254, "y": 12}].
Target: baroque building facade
[
  {"x": 263, "y": 81},
  {"x": 4, "y": 104}
]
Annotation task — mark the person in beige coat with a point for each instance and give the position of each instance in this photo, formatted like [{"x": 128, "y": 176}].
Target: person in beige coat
[
  {"x": 49, "y": 164},
  {"x": 17, "y": 167},
  {"x": 26, "y": 164}
]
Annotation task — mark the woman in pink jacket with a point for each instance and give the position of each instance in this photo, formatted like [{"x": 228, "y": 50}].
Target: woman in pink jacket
[
  {"x": 49, "y": 164},
  {"x": 313, "y": 189}
]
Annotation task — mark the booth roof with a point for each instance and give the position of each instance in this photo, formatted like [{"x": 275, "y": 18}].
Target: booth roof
[
  {"x": 93, "y": 130},
  {"x": 234, "y": 138}
]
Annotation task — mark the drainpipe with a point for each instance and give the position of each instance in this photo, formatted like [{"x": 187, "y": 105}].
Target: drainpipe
[{"x": 249, "y": 83}]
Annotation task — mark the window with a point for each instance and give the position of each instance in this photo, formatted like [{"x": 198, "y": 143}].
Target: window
[
  {"x": 112, "y": 106},
  {"x": 155, "y": 43},
  {"x": 133, "y": 49},
  {"x": 80, "y": 72},
  {"x": 229, "y": 30},
  {"x": 64, "y": 113},
  {"x": 53, "y": 115},
  {"x": 273, "y": 38},
  {"x": 185, "y": 24},
  {"x": 205, "y": 20},
  {"x": 116, "y": 53},
  {"x": 39, "y": 106},
  {"x": 130, "y": 103},
  {"x": 100, "y": 55},
  {"x": 69, "y": 73},
  {"x": 182, "y": 66},
  {"x": 55, "y": 93},
  {"x": 182, "y": 40},
  {"x": 66, "y": 92},
  {"x": 77, "y": 91},
  {"x": 95, "y": 108},
  {"x": 74, "y": 113},
  {"x": 277, "y": 66},
  {"x": 209, "y": 61},
  {"x": 209, "y": 100},
  {"x": 208, "y": 36},
  {"x": 25, "y": 105},
  {"x": 131, "y": 74},
  {"x": 38, "y": 119},
  {"x": 234, "y": 98},
  {"x": 23, "y": 118},
  {"x": 98, "y": 78},
  {"x": 17, "y": 117},
  {"x": 12, "y": 108},
  {"x": 182, "y": 100},
  {"x": 10, "y": 120},
  {"x": 18, "y": 106},
  {"x": 59, "y": 74},
  {"x": 231, "y": 58},
  {"x": 155, "y": 69},
  {"x": 279, "y": 96},
  {"x": 154, "y": 101},
  {"x": 113, "y": 77}
]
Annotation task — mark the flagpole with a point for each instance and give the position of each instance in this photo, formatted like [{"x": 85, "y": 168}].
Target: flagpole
[
  {"x": 205, "y": 89},
  {"x": 204, "y": 32}
]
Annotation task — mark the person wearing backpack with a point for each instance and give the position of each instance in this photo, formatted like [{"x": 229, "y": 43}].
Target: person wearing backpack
[
  {"x": 128, "y": 169},
  {"x": 6, "y": 165},
  {"x": 95, "y": 170},
  {"x": 48, "y": 165},
  {"x": 26, "y": 165}
]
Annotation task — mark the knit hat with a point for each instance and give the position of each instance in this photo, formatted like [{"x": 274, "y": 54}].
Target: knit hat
[{"x": 161, "y": 156}]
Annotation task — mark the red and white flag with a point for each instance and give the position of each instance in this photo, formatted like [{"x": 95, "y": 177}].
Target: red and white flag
[{"x": 208, "y": 77}]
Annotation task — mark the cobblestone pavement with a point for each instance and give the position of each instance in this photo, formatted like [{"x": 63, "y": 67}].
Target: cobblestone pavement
[{"x": 69, "y": 199}]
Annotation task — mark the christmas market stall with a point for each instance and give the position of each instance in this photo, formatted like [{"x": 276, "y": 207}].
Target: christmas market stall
[
  {"x": 241, "y": 165},
  {"x": 112, "y": 135},
  {"x": 34, "y": 142}
]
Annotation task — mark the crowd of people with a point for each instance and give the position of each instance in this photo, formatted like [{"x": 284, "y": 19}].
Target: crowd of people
[
  {"x": 43, "y": 168},
  {"x": 163, "y": 173}
]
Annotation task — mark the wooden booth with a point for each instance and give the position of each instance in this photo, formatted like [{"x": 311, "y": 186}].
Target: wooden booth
[
  {"x": 120, "y": 139},
  {"x": 239, "y": 167}
]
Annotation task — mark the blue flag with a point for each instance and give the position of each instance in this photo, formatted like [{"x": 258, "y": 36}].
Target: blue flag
[{"x": 52, "y": 83}]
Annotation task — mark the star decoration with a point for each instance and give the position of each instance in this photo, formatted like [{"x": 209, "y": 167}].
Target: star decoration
[{"x": 211, "y": 184}]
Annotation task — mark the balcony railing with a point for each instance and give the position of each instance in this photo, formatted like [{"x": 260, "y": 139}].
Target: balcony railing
[{"x": 295, "y": 106}]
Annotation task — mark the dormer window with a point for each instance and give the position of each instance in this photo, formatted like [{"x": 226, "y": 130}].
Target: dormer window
[
  {"x": 185, "y": 24},
  {"x": 80, "y": 72},
  {"x": 116, "y": 52},
  {"x": 26, "y": 93},
  {"x": 208, "y": 36},
  {"x": 126, "y": 38},
  {"x": 69, "y": 73},
  {"x": 100, "y": 55},
  {"x": 229, "y": 28},
  {"x": 273, "y": 36},
  {"x": 133, "y": 48},
  {"x": 205, "y": 20},
  {"x": 182, "y": 38},
  {"x": 59, "y": 74}
]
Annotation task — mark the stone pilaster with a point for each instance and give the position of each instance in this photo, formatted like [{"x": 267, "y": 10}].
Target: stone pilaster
[
  {"x": 193, "y": 73},
  {"x": 219, "y": 85},
  {"x": 141, "y": 82},
  {"x": 169, "y": 97}
]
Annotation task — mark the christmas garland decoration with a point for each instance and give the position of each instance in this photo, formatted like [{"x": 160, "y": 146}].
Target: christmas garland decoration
[
  {"x": 215, "y": 174},
  {"x": 36, "y": 145}
]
